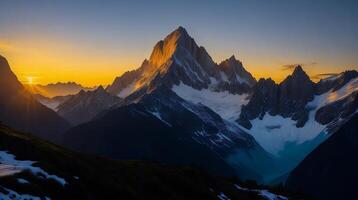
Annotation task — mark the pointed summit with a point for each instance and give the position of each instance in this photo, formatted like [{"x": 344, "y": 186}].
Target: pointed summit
[
  {"x": 298, "y": 70},
  {"x": 232, "y": 58},
  {"x": 235, "y": 71},
  {"x": 165, "y": 49},
  {"x": 299, "y": 75},
  {"x": 100, "y": 88},
  {"x": 181, "y": 30}
]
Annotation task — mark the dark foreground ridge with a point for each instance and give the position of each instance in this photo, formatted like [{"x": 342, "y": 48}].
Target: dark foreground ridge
[{"x": 90, "y": 177}]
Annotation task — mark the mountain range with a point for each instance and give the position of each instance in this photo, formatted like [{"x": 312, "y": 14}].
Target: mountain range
[
  {"x": 181, "y": 108},
  {"x": 57, "y": 89}
]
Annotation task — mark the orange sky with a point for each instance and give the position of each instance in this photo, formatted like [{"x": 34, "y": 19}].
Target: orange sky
[
  {"x": 49, "y": 60},
  {"x": 92, "y": 42}
]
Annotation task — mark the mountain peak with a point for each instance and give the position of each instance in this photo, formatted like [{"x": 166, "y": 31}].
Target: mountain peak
[
  {"x": 181, "y": 30},
  {"x": 8, "y": 79},
  {"x": 298, "y": 69},
  {"x": 165, "y": 49},
  {"x": 298, "y": 72},
  {"x": 3, "y": 63},
  {"x": 100, "y": 87},
  {"x": 232, "y": 58}
]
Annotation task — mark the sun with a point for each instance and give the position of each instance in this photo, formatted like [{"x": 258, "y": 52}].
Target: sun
[{"x": 30, "y": 80}]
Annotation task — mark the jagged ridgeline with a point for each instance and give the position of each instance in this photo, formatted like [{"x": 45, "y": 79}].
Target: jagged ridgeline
[{"x": 178, "y": 108}]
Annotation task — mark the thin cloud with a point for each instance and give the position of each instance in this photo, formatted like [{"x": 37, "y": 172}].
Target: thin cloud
[{"x": 291, "y": 67}]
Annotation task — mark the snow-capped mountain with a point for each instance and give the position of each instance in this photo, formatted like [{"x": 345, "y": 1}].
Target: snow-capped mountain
[
  {"x": 292, "y": 118},
  {"x": 165, "y": 88},
  {"x": 18, "y": 108},
  {"x": 182, "y": 124},
  {"x": 288, "y": 99},
  {"x": 178, "y": 59},
  {"x": 84, "y": 106},
  {"x": 260, "y": 129}
]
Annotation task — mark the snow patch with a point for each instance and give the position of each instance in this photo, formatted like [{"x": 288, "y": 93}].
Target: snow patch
[
  {"x": 224, "y": 77},
  {"x": 22, "y": 181},
  {"x": 241, "y": 80},
  {"x": 222, "y": 196},
  {"x": 127, "y": 90},
  {"x": 264, "y": 193},
  {"x": 333, "y": 96},
  {"x": 9, "y": 166},
  {"x": 227, "y": 105},
  {"x": 12, "y": 195},
  {"x": 157, "y": 115}
]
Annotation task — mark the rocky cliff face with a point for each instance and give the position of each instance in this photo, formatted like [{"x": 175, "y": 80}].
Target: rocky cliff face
[{"x": 287, "y": 99}]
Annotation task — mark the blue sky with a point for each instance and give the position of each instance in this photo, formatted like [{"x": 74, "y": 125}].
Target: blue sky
[{"x": 115, "y": 36}]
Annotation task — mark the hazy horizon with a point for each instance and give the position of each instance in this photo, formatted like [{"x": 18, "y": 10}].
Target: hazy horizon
[{"x": 58, "y": 40}]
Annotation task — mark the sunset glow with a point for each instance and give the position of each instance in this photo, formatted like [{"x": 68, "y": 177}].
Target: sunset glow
[
  {"x": 55, "y": 50},
  {"x": 30, "y": 80}
]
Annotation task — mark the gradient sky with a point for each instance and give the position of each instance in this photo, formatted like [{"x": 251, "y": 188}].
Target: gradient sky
[{"x": 92, "y": 42}]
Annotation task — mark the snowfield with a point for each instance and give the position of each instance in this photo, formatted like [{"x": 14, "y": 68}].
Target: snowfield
[
  {"x": 227, "y": 105},
  {"x": 273, "y": 132},
  {"x": 332, "y": 96},
  {"x": 9, "y": 166}
]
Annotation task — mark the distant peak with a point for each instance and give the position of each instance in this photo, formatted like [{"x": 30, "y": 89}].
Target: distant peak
[
  {"x": 298, "y": 68},
  {"x": 232, "y": 58},
  {"x": 231, "y": 61},
  {"x": 100, "y": 88},
  {"x": 299, "y": 74},
  {"x": 298, "y": 71},
  {"x": 82, "y": 92}
]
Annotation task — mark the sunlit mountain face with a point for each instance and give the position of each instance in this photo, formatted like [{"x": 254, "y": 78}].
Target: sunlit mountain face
[{"x": 245, "y": 100}]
